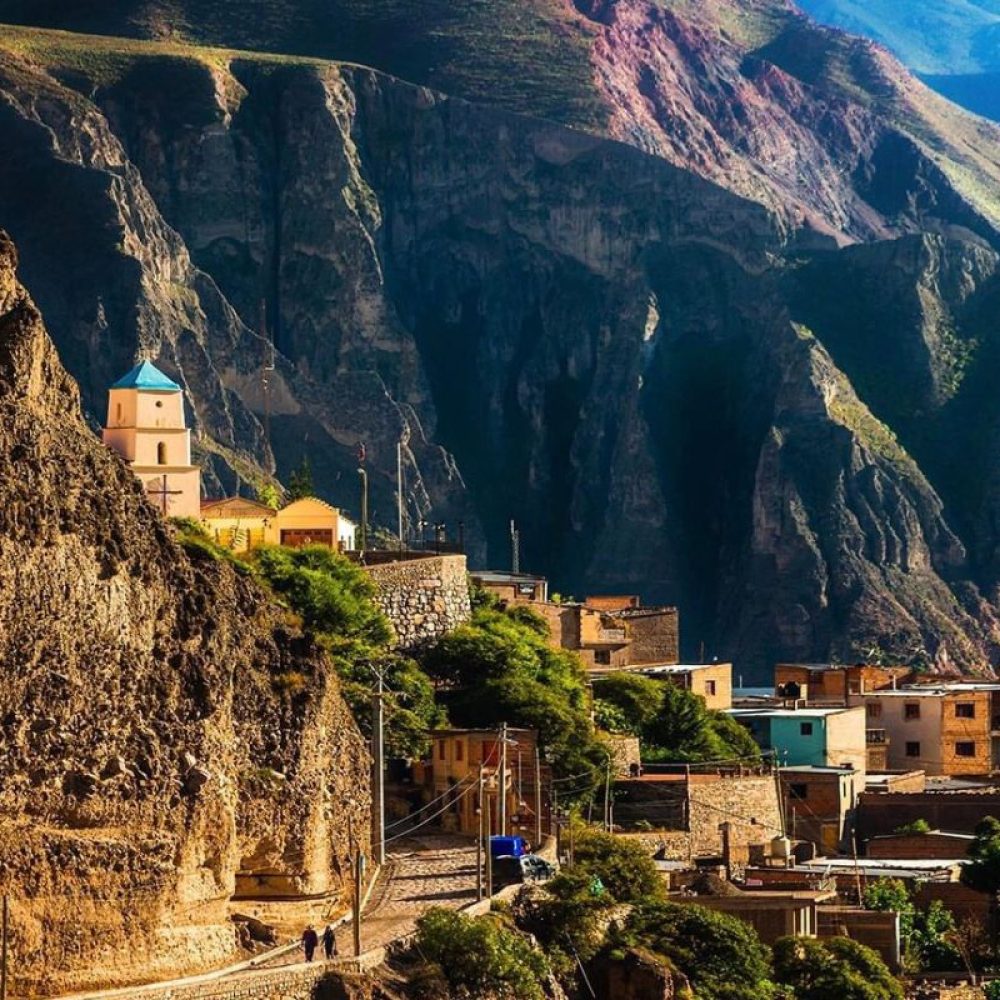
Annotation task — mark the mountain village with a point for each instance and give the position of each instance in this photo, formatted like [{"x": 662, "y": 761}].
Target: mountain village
[{"x": 867, "y": 774}]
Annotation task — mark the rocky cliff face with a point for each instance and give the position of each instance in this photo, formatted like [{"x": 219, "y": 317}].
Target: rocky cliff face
[
  {"x": 161, "y": 727},
  {"x": 563, "y": 329}
]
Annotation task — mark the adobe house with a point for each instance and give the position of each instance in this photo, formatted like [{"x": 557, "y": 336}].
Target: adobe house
[
  {"x": 833, "y": 683},
  {"x": 713, "y": 682},
  {"x": 147, "y": 427},
  {"x": 450, "y": 777},
  {"x": 820, "y": 804},
  {"x": 514, "y": 588},
  {"x": 240, "y": 524},
  {"x": 933, "y": 845},
  {"x": 311, "y": 521}
]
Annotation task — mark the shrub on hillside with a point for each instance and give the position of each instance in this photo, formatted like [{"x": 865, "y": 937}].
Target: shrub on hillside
[
  {"x": 833, "y": 969},
  {"x": 624, "y": 868},
  {"x": 722, "y": 957},
  {"x": 481, "y": 955}
]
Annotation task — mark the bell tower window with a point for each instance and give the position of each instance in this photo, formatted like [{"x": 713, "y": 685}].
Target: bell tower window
[{"x": 161, "y": 453}]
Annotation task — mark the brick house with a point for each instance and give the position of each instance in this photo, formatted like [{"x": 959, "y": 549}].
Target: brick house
[
  {"x": 820, "y": 804},
  {"x": 947, "y": 729}
]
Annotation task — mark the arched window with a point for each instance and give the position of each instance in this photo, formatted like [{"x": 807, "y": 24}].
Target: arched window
[
  {"x": 161, "y": 453},
  {"x": 118, "y": 413}
]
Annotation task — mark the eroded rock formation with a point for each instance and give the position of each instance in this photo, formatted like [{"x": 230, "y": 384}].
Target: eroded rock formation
[
  {"x": 661, "y": 361},
  {"x": 162, "y": 727}
]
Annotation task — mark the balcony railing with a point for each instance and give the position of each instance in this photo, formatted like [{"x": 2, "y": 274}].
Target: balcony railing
[{"x": 876, "y": 736}]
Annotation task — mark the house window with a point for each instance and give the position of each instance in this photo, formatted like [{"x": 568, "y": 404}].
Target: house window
[
  {"x": 710, "y": 687},
  {"x": 459, "y": 749},
  {"x": 874, "y": 710},
  {"x": 798, "y": 791},
  {"x": 912, "y": 749},
  {"x": 965, "y": 710},
  {"x": 806, "y": 728},
  {"x": 602, "y": 656},
  {"x": 441, "y": 750},
  {"x": 965, "y": 749},
  {"x": 911, "y": 710},
  {"x": 161, "y": 453}
]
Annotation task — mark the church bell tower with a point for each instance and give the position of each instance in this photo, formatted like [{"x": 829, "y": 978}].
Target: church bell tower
[{"x": 146, "y": 427}]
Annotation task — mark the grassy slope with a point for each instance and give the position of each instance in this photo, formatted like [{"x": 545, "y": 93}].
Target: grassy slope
[{"x": 532, "y": 56}]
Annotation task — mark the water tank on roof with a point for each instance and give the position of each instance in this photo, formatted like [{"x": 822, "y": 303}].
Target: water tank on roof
[{"x": 781, "y": 847}]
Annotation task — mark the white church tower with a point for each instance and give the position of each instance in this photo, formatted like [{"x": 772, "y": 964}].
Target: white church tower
[{"x": 146, "y": 427}]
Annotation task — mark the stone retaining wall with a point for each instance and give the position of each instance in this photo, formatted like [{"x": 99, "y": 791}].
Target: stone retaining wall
[{"x": 423, "y": 598}]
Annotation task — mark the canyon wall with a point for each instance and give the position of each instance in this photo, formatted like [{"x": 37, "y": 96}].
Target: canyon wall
[
  {"x": 655, "y": 377},
  {"x": 162, "y": 727}
]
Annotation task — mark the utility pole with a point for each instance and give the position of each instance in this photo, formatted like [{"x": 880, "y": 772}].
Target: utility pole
[
  {"x": 502, "y": 791},
  {"x": 363, "y": 476},
  {"x": 554, "y": 807},
  {"x": 378, "y": 771},
  {"x": 479, "y": 839},
  {"x": 399, "y": 492},
  {"x": 268, "y": 367},
  {"x": 515, "y": 548},
  {"x": 4, "y": 934},
  {"x": 489, "y": 850},
  {"x": 607, "y": 796},
  {"x": 359, "y": 870},
  {"x": 538, "y": 799}
]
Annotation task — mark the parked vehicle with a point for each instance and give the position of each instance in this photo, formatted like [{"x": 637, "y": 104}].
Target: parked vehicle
[
  {"x": 527, "y": 868},
  {"x": 508, "y": 847}
]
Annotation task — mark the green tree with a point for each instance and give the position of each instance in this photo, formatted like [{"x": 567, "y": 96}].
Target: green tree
[
  {"x": 500, "y": 668},
  {"x": 568, "y": 918},
  {"x": 609, "y": 718},
  {"x": 833, "y": 969},
  {"x": 685, "y": 730},
  {"x": 624, "y": 868},
  {"x": 268, "y": 494},
  {"x": 638, "y": 698},
  {"x": 983, "y": 870},
  {"x": 330, "y": 593},
  {"x": 334, "y": 599},
  {"x": 481, "y": 955},
  {"x": 925, "y": 934},
  {"x": 722, "y": 956},
  {"x": 300, "y": 482}
]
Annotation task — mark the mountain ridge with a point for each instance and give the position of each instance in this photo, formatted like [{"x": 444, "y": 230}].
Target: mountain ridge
[{"x": 563, "y": 326}]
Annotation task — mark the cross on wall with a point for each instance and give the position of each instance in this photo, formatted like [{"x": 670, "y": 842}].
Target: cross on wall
[{"x": 163, "y": 493}]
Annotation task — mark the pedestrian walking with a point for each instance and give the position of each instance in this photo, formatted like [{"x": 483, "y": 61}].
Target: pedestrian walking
[
  {"x": 329, "y": 942},
  {"x": 309, "y": 942}
]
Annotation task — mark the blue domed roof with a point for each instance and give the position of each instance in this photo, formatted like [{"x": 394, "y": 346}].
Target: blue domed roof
[{"x": 146, "y": 375}]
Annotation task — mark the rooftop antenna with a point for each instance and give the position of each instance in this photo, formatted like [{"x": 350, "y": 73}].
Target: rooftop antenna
[
  {"x": 265, "y": 379},
  {"x": 515, "y": 548}
]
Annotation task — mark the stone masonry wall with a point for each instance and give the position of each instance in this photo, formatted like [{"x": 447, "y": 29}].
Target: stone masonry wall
[
  {"x": 423, "y": 598},
  {"x": 749, "y": 803}
]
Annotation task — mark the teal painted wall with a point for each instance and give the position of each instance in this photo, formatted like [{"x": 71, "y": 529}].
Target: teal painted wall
[{"x": 786, "y": 735}]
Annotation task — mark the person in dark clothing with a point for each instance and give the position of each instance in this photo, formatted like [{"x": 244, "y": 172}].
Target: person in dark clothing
[
  {"x": 309, "y": 942},
  {"x": 329, "y": 943}
]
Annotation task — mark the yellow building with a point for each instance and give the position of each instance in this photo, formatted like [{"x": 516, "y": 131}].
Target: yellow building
[
  {"x": 237, "y": 523},
  {"x": 146, "y": 426},
  {"x": 311, "y": 521},
  {"x": 241, "y": 524},
  {"x": 451, "y": 776}
]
